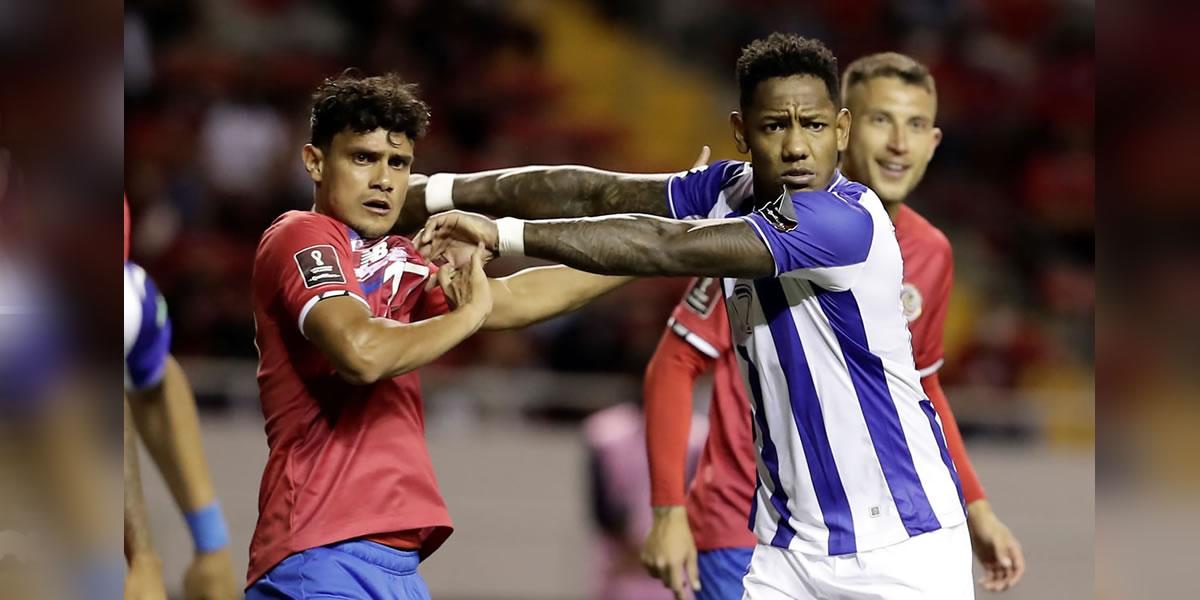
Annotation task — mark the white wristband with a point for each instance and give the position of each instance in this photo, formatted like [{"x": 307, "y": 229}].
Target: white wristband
[
  {"x": 438, "y": 197},
  {"x": 511, "y": 234}
]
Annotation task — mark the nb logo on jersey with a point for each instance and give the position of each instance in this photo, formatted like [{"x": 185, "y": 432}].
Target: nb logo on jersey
[{"x": 319, "y": 266}]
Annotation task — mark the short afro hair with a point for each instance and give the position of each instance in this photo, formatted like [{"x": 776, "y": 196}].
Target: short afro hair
[
  {"x": 888, "y": 64},
  {"x": 785, "y": 55},
  {"x": 361, "y": 104}
]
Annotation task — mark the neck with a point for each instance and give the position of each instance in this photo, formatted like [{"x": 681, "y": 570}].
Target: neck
[{"x": 892, "y": 208}]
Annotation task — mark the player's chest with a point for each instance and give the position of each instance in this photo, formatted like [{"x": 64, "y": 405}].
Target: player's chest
[{"x": 391, "y": 274}]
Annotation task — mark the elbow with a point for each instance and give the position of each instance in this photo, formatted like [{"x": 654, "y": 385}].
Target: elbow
[{"x": 359, "y": 364}]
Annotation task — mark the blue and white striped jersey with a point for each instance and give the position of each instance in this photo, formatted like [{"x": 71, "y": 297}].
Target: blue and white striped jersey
[{"x": 851, "y": 455}]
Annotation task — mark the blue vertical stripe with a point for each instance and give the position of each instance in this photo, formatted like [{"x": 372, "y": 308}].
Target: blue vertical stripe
[
  {"x": 770, "y": 457},
  {"x": 810, "y": 422},
  {"x": 879, "y": 411},
  {"x": 927, "y": 406}
]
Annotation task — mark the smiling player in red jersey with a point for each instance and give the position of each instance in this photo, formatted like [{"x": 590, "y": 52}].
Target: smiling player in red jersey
[{"x": 893, "y": 102}]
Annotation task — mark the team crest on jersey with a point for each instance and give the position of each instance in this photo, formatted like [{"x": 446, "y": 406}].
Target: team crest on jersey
[
  {"x": 780, "y": 213},
  {"x": 702, "y": 297},
  {"x": 319, "y": 266},
  {"x": 911, "y": 301}
]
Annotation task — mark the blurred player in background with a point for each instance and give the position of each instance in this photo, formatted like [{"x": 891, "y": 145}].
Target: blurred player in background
[
  {"x": 857, "y": 494},
  {"x": 345, "y": 314},
  {"x": 162, "y": 406},
  {"x": 893, "y": 101}
]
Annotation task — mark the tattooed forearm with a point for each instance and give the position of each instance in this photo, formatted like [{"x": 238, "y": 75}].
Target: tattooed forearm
[
  {"x": 641, "y": 245},
  {"x": 550, "y": 193}
]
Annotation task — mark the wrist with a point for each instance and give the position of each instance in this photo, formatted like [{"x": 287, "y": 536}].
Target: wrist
[
  {"x": 510, "y": 237},
  {"x": 439, "y": 193},
  {"x": 208, "y": 529},
  {"x": 665, "y": 511},
  {"x": 979, "y": 509}
]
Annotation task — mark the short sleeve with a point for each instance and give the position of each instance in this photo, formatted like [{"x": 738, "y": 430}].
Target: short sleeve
[
  {"x": 307, "y": 258},
  {"x": 700, "y": 317},
  {"x": 928, "y": 327},
  {"x": 821, "y": 236},
  {"x": 147, "y": 357},
  {"x": 693, "y": 194}
]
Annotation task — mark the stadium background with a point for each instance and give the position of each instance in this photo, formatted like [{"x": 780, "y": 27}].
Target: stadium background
[{"x": 216, "y": 98}]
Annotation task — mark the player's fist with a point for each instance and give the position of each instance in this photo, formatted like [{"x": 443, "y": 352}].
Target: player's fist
[
  {"x": 144, "y": 580},
  {"x": 467, "y": 284},
  {"x": 211, "y": 577},
  {"x": 443, "y": 231},
  {"x": 670, "y": 552}
]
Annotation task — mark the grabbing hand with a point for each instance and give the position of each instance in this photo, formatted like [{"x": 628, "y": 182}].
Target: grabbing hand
[
  {"x": 441, "y": 233},
  {"x": 467, "y": 284},
  {"x": 996, "y": 548},
  {"x": 210, "y": 577},
  {"x": 669, "y": 554}
]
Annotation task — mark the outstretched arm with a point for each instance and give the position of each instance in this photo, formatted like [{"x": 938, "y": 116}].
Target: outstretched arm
[
  {"x": 539, "y": 293},
  {"x": 538, "y": 193},
  {"x": 631, "y": 245}
]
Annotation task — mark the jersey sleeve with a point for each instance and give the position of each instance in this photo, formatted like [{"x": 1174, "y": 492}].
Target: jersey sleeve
[
  {"x": 306, "y": 257},
  {"x": 929, "y": 326},
  {"x": 692, "y": 194},
  {"x": 700, "y": 318},
  {"x": 147, "y": 357},
  {"x": 820, "y": 236}
]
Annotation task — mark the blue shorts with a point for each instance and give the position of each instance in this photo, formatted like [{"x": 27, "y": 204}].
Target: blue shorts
[
  {"x": 721, "y": 573},
  {"x": 353, "y": 570}
]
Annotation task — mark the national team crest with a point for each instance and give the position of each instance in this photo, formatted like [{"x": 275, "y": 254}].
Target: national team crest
[
  {"x": 911, "y": 301},
  {"x": 739, "y": 313}
]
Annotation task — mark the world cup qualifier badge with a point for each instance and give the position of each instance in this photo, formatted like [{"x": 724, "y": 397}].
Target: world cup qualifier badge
[
  {"x": 911, "y": 301},
  {"x": 319, "y": 266},
  {"x": 780, "y": 213}
]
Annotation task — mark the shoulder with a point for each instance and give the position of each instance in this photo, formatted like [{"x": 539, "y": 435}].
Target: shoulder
[
  {"x": 302, "y": 226},
  {"x": 914, "y": 228}
]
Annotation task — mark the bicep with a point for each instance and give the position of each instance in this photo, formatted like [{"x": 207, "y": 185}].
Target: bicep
[
  {"x": 630, "y": 193},
  {"x": 719, "y": 248},
  {"x": 334, "y": 325}
]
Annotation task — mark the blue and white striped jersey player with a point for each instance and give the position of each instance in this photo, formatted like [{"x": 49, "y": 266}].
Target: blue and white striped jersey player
[{"x": 857, "y": 496}]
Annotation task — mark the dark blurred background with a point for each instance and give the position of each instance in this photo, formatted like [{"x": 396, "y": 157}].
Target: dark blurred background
[{"x": 216, "y": 113}]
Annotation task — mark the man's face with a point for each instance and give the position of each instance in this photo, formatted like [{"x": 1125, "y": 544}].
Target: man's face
[
  {"x": 893, "y": 138},
  {"x": 793, "y": 132},
  {"x": 362, "y": 178}
]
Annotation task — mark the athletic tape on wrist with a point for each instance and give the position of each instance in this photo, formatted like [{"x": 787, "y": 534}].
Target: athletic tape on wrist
[
  {"x": 209, "y": 532},
  {"x": 511, "y": 234},
  {"x": 439, "y": 193}
]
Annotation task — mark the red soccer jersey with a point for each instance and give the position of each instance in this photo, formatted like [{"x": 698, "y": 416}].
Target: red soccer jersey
[
  {"x": 928, "y": 277},
  {"x": 718, "y": 502},
  {"x": 345, "y": 461}
]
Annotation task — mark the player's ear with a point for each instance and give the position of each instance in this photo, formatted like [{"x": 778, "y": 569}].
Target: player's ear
[
  {"x": 314, "y": 161},
  {"x": 739, "y": 132},
  {"x": 843, "y": 129},
  {"x": 937, "y": 139}
]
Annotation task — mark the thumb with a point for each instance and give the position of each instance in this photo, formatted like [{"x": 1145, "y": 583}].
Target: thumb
[{"x": 702, "y": 160}]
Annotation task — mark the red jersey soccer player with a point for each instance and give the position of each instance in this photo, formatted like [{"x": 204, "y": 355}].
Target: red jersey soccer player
[
  {"x": 893, "y": 102},
  {"x": 344, "y": 314}
]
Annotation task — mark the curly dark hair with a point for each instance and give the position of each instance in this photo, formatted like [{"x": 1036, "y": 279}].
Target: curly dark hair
[
  {"x": 784, "y": 55},
  {"x": 353, "y": 102},
  {"x": 888, "y": 64}
]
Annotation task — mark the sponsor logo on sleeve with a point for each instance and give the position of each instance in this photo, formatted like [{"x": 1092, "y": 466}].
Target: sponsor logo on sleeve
[
  {"x": 780, "y": 213},
  {"x": 319, "y": 266}
]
